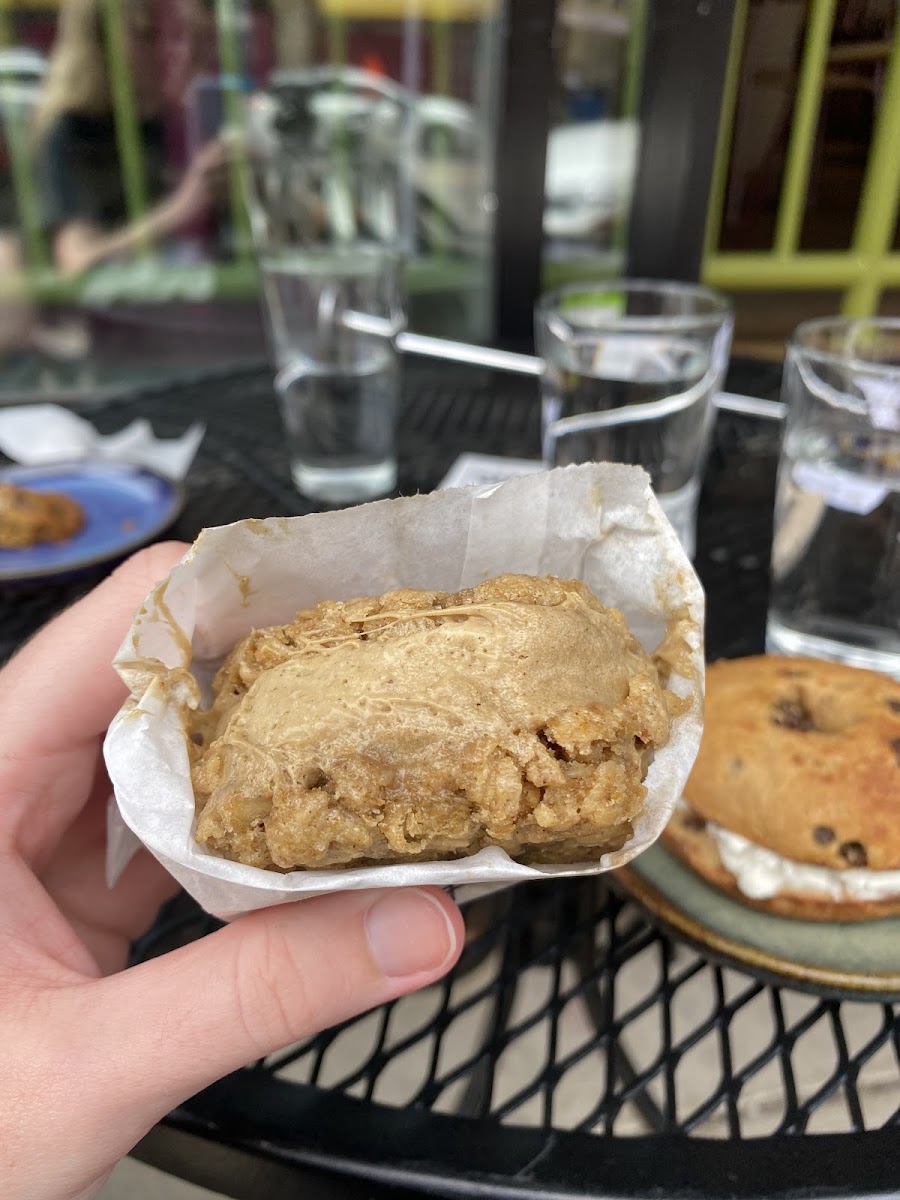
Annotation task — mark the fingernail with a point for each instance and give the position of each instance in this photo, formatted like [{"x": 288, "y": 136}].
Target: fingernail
[{"x": 409, "y": 933}]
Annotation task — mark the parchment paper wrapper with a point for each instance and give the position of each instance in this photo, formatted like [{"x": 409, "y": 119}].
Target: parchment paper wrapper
[{"x": 598, "y": 522}]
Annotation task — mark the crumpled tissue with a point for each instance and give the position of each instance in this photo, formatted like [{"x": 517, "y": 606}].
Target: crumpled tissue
[{"x": 35, "y": 434}]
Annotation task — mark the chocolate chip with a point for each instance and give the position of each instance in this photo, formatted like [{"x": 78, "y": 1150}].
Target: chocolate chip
[
  {"x": 790, "y": 714},
  {"x": 895, "y": 746},
  {"x": 894, "y": 706},
  {"x": 824, "y": 834},
  {"x": 694, "y": 821},
  {"x": 197, "y": 739},
  {"x": 737, "y": 764},
  {"x": 854, "y": 854}
]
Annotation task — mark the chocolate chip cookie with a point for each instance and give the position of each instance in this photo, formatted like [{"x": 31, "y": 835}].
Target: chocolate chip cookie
[{"x": 28, "y": 517}]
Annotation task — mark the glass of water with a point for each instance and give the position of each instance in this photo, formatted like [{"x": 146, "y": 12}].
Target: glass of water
[
  {"x": 836, "y": 550},
  {"x": 337, "y": 384},
  {"x": 631, "y": 368},
  {"x": 326, "y": 213}
]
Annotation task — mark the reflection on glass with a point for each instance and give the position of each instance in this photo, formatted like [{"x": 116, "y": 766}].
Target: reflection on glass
[
  {"x": 101, "y": 201},
  {"x": 94, "y": 206},
  {"x": 593, "y": 142},
  {"x": 437, "y": 60},
  {"x": 122, "y": 183}
]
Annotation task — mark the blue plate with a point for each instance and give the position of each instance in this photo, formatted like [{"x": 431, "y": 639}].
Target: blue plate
[{"x": 124, "y": 507}]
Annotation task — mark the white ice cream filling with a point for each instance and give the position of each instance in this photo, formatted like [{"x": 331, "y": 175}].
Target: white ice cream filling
[{"x": 761, "y": 873}]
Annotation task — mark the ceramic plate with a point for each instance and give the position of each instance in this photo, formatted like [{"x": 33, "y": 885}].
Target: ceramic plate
[
  {"x": 125, "y": 507},
  {"x": 839, "y": 959}
]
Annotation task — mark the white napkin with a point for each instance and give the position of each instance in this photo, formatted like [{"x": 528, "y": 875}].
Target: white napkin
[{"x": 34, "y": 434}]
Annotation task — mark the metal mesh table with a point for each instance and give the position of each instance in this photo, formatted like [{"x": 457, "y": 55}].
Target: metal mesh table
[{"x": 576, "y": 1050}]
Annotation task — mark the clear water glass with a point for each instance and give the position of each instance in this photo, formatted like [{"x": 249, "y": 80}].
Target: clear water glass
[
  {"x": 835, "y": 580},
  {"x": 631, "y": 368},
  {"x": 327, "y": 213},
  {"x": 338, "y": 388}
]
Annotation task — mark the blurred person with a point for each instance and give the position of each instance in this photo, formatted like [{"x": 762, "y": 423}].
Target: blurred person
[
  {"x": 78, "y": 165},
  {"x": 93, "y": 1054}
]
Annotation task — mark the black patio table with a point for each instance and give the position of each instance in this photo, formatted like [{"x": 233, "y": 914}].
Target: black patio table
[{"x": 577, "y": 1049}]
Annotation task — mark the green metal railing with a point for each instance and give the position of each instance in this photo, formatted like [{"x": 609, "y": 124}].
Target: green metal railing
[
  {"x": 232, "y": 70},
  {"x": 16, "y": 123},
  {"x": 867, "y": 267},
  {"x": 127, "y": 123}
]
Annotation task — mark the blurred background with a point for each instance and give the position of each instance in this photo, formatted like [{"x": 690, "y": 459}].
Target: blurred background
[{"x": 749, "y": 143}]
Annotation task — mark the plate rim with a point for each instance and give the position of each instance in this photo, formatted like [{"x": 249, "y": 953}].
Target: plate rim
[
  {"x": 179, "y": 499},
  {"x": 783, "y": 970}
]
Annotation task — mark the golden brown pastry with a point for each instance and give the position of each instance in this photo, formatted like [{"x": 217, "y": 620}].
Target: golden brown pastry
[
  {"x": 28, "y": 517},
  {"x": 793, "y": 804},
  {"x": 520, "y": 713}
]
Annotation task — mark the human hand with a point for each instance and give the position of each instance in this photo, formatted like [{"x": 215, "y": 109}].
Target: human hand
[{"x": 93, "y": 1055}]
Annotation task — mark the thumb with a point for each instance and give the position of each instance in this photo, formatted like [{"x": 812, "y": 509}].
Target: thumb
[{"x": 269, "y": 979}]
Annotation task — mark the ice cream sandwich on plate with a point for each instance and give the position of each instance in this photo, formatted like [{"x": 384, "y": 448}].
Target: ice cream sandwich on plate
[{"x": 793, "y": 804}]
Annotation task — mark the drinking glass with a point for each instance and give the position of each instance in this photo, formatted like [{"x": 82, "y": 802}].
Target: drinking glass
[
  {"x": 631, "y": 368},
  {"x": 836, "y": 549},
  {"x": 327, "y": 218}
]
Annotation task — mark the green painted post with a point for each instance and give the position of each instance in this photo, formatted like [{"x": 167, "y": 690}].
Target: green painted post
[
  {"x": 630, "y": 97},
  {"x": 128, "y": 133},
  {"x": 441, "y": 39},
  {"x": 761, "y": 271},
  {"x": 803, "y": 127},
  {"x": 880, "y": 200},
  {"x": 15, "y": 122},
  {"x": 716, "y": 207},
  {"x": 634, "y": 59},
  {"x": 20, "y": 161},
  {"x": 230, "y": 76},
  {"x": 336, "y": 34}
]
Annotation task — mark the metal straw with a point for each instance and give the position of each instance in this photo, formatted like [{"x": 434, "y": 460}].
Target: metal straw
[{"x": 519, "y": 364}]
